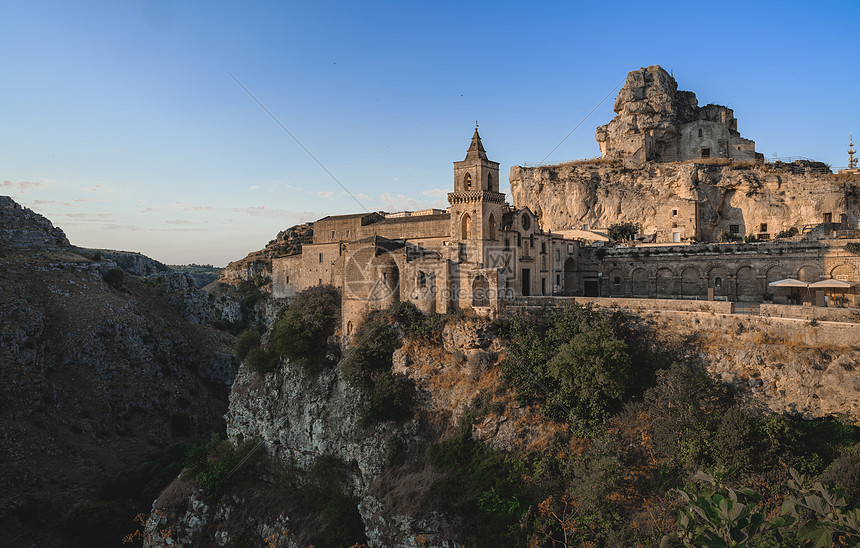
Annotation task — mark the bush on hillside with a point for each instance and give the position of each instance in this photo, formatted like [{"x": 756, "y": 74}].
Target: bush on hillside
[
  {"x": 301, "y": 332},
  {"x": 576, "y": 363}
]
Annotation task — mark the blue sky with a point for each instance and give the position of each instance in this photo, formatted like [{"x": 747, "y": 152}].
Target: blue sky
[{"x": 120, "y": 122}]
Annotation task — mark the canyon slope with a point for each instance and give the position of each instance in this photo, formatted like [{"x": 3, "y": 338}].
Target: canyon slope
[{"x": 99, "y": 369}]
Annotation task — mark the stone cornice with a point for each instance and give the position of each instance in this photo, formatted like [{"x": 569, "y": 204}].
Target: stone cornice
[{"x": 470, "y": 196}]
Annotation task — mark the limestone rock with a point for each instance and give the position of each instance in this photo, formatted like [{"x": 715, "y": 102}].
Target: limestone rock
[{"x": 23, "y": 228}]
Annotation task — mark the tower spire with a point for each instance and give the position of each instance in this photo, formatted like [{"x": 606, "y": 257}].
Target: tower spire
[{"x": 476, "y": 148}]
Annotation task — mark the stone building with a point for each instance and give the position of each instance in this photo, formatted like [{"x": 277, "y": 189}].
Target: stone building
[
  {"x": 473, "y": 255},
  {"x": 481, "y": 252}
]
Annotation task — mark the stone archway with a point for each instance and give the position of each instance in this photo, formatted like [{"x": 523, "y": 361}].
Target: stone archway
[
  {"x": 747, "y": 284},
  {"x": 664, "y": 283},
  {"x": 718, "y": 278},
  {"x": 639, "y": 282},
  {"x": 690, "y": 282},
  {"x": 809, "y": 273},
  {"x": 480, "y": 291},
  {"x": 844, "y": 272}
]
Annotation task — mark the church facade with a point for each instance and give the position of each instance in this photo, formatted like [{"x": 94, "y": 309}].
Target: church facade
[{"x": 476, "y": 254}]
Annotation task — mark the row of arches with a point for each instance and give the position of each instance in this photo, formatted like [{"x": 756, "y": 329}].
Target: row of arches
[{"x": 744, "y": 281}]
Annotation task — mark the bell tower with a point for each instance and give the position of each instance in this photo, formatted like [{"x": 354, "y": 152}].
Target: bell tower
[{"x": 476, "y": 203}]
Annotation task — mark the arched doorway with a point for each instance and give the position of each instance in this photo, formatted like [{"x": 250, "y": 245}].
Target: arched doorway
[
  {"x": 569, "y": 276},
  {"x": 718, "y": 278},
  {"x": 480, "y": 291}
]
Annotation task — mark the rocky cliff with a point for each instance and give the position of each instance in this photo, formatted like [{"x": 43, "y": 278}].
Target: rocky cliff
[
  {"x": 257, "y": 265},
  {"x": 98, "y": 369},
  {"x": 702, "y": 200},
  {"x": 651, "y": 116},
  {"x": 300, "y": 419}
]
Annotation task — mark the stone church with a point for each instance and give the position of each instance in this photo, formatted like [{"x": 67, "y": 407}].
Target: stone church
[
  {"x": 473, "y": 255},
  {"x": 679, "y": 172}
]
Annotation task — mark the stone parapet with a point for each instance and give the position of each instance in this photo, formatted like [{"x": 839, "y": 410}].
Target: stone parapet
[{"x": 819, "y": 313}]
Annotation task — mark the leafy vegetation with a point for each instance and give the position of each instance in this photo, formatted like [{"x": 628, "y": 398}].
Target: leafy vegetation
[
  {"x": 576, "y": 363},
  {"x": 790, "y": 233},
  {"x": 304, "y": 326},
  {"x": 483, "y": 487},
  {"x": 621, "y": 475},
  {"x": 367, "y": 367},
  {"x": 301, "y": 334},
  {"x": 114, "y": 278},
  {"x": 624, "y": 231}
]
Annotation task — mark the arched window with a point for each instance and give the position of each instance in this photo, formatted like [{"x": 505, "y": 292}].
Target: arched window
[
  {"x": 422, "y": 279},
  {"x": 700, "y": 134},
  {"x": 491, "y": 233},
  {"x": 489, "y": 181},
  {"x": 467, "y": 181},
  {"x": 466, "y": 227}
]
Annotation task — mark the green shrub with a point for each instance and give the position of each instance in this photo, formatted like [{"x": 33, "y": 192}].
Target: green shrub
[
  {"x": 790, "y": 233},
  {"x": 114, "y": 278},
  {"x": 245, "y": 342},
  {"x": 482, "y": 487},
  {"x": 576, "y": 362},
  {"x": 624, "y": 231},
  {"x": 261, "y": 361},
  {"x": 304, "y": 326},
  {"x": 367, "y": 367}
]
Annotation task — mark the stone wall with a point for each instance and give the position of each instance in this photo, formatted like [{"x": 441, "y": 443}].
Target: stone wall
[
  {"x": 819, "y": 313},
  {"x": 735, "y": 271},
  {"x": 716, "y": 307}
]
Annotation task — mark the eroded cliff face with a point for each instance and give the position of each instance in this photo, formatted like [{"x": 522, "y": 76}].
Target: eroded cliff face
[
  {"x": 664, "y": 196},
  {"x": 96, "y": 372},
  {"x": 300, "y": 416}
]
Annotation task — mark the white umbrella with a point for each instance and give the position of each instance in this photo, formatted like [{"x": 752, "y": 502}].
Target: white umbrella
[
  {"x": 831, "y": 284},
  {"x": 788, "y": 282}
]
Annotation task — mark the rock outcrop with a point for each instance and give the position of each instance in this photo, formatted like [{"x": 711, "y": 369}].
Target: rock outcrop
[
  {"x": 700, "y": 202},
  {"x": 656, "y": 122},
  {"x": 23, "y": 228},
  {"x": 257, "y": 265}
]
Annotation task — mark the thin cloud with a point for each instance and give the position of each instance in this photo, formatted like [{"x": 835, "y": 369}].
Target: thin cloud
[
  {"x": 435, "y": 192},
  {"x": 261, "y": 211},
  {"x": 325, "y": 194},
  {"x": 254, "y": 187},
  {"x": 22, "y": 186},
  {"x": 38, "y": 203},
  {"x": 399, "y": 202}
]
